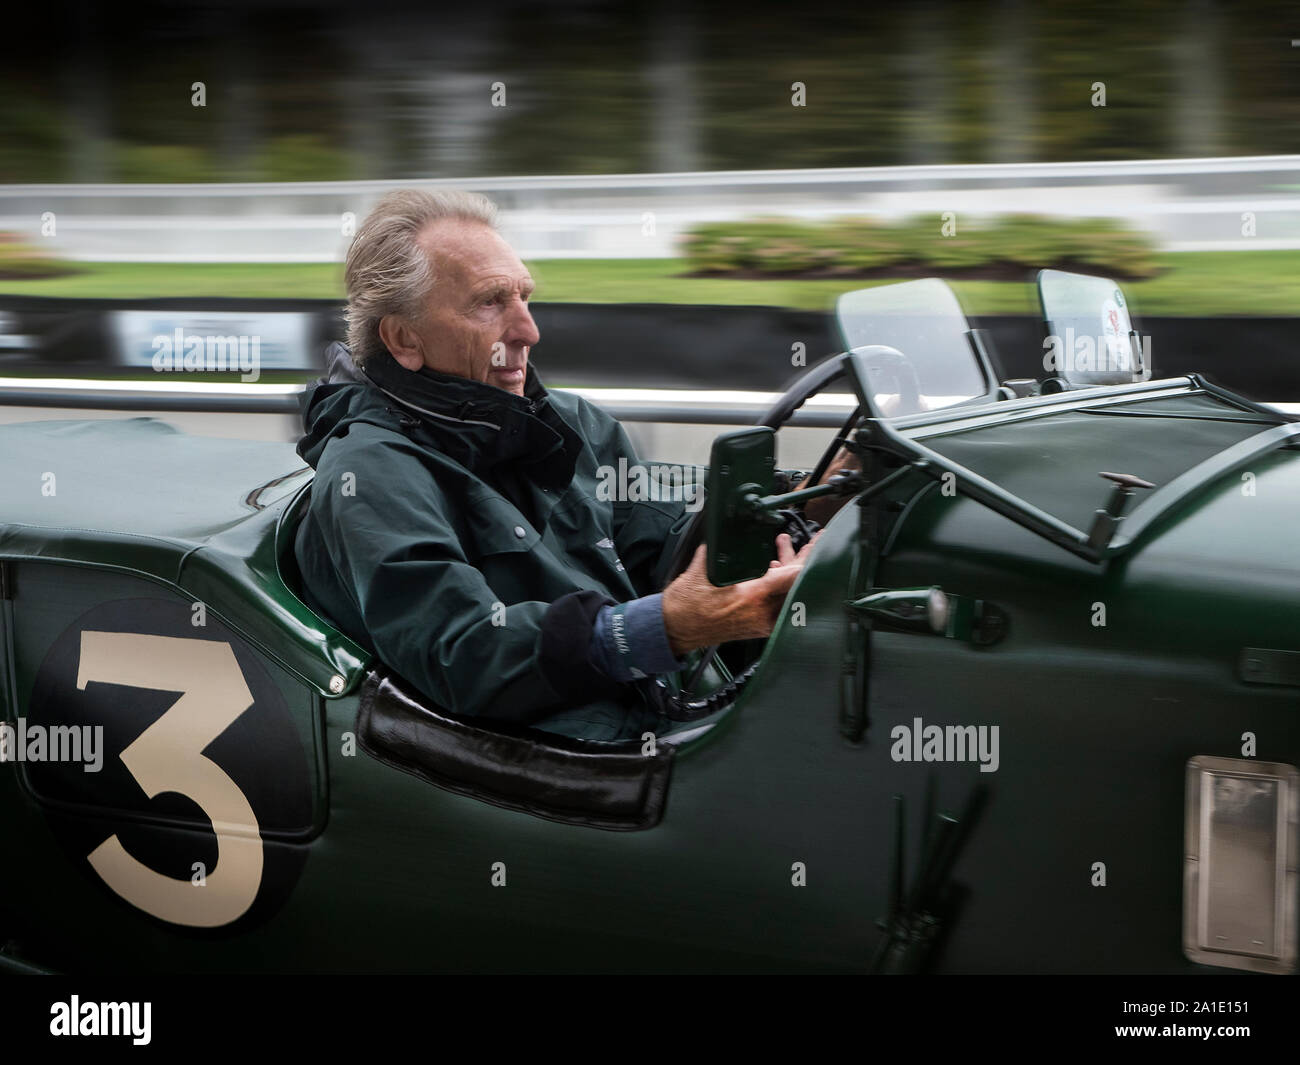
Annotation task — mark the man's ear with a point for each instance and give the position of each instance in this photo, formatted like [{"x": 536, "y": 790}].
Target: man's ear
[{"x": 400, "y": 339}]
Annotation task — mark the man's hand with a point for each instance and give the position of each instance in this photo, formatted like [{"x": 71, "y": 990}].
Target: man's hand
[
  {"x": 821, "y": 510},
  {"x": 699, "y": 614}
]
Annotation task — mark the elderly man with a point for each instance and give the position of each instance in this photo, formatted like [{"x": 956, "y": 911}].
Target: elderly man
[{"x": 454, "y": 526}]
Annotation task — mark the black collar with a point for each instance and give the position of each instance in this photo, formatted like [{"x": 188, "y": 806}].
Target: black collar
[{"x": 481, "y": 426}]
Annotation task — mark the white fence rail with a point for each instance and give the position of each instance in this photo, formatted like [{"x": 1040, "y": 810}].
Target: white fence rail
[{"x": 1186, "y": 204}]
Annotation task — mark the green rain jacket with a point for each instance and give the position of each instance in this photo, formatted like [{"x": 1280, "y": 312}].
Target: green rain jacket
[{"x": 455, "y": 530}]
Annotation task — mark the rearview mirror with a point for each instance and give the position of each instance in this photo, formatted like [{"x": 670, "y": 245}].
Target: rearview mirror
[
  {"x": 1090, "y": 335},
  {"x": 740, "y": 542}
]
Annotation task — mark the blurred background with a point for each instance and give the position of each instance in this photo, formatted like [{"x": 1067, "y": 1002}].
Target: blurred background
[
  {"x": 321, "y": 91},
  {"x": 692, "y": 185}
]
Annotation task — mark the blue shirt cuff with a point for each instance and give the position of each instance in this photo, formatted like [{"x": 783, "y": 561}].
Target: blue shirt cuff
[{"x": 629, "y": 640}]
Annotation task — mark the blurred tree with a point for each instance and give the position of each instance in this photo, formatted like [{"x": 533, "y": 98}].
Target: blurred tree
[
  {"x": 399, "y": 91},
  {"x": 1198, "y": 103},
  {"x": 31, "y": 132},
  {"x": 162, "y": 162},
  {"x": 672, "y": 77},
  {"x": 88, "y": 97},
  {"x": 1012, "y": 106},
  {"x": 302, "y": 157},
  {"x": 581, "y": 98}
]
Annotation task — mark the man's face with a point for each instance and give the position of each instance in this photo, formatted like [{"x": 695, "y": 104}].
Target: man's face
[{"x": 477, "y": 323}]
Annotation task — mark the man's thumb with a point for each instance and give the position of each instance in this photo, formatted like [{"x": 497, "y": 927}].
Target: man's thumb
[{"x": 779, "y": 581}]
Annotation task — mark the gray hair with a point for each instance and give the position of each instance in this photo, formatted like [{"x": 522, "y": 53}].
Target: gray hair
[{"x": 388, "y": 272}]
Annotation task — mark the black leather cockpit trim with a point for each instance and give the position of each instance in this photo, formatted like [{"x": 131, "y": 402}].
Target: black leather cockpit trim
[{"x": 590, "y": 783}]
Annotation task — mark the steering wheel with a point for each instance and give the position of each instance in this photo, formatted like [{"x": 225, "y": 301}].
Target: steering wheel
[{"x": 682, "y": 705}]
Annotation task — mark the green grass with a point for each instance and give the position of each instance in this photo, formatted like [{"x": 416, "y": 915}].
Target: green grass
[
  {"x": 1193, "y": 283},
  {"x": 158, "y": 280}
]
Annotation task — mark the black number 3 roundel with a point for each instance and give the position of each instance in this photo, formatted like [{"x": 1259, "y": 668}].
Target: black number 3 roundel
[{"x": 200, "y": 813}]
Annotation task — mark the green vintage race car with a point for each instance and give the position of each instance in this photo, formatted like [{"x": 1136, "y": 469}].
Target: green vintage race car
[{"x": 1030, "y": 707}]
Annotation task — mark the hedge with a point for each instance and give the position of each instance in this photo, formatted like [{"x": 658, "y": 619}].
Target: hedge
[
  {"x": 20, "y": 261},
  {"x": 848, "y": 247}
]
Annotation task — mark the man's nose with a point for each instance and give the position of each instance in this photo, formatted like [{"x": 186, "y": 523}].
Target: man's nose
[{"x": 523, "y": 330}]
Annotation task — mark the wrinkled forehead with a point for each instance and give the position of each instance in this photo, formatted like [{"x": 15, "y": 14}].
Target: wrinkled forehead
[{"x": 465, "y": 253}]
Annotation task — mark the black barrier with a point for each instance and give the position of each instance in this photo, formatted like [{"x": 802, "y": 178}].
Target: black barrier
[
  {"x": 655, "y": 345},
  {"x": 77, "y": 335}
]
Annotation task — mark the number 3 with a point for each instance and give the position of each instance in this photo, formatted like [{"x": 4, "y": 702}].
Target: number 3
[{"x": 168, "y": 756}]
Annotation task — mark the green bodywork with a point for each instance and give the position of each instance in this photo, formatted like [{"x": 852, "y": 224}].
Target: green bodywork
[
  {"x": 199, "y": 513},
  {"x": 784, "y": 840}
]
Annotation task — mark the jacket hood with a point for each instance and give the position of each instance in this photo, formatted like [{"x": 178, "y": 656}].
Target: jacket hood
[{"x": 478, "y": 425}]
